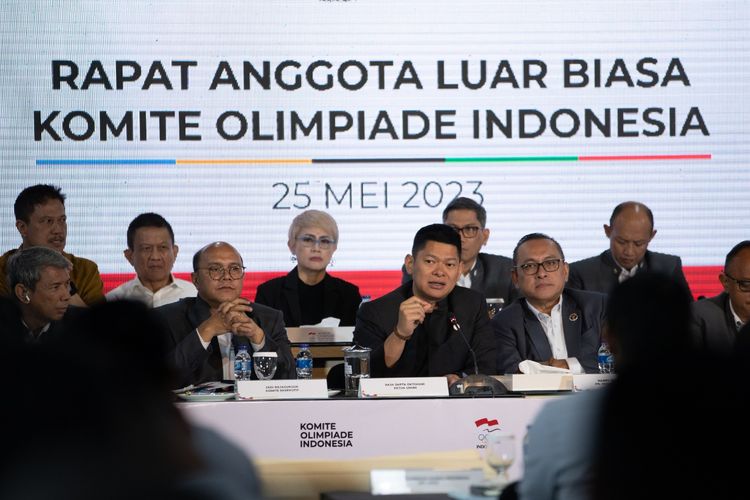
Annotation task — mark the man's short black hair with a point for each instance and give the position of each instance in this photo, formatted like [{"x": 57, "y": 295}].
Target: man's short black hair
[
  {"x": 464, "y": 203},
  {"x": 440, "y": 233},
  {"x": 626, "y": 204},
  {"x": 734, "y": 251},
  {"x": 148, "y": 219},
  {"x": 33, "y": 196},
  {"x": 535, "y": 236}
]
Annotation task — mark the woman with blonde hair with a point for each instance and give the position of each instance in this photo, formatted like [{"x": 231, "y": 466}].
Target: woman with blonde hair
[{"x": 308, "y": 293}]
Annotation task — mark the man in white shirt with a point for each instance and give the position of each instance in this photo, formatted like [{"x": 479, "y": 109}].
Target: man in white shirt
[
  {"x": 551, "y": 324},
  {"x": 152, "y": 252}
]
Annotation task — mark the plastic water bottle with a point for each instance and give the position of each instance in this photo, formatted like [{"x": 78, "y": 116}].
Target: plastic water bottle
[
  {"x": 243, "y": 364},
  {"x": 304, "y": 362},
  {"x": 605, "y": 359}
]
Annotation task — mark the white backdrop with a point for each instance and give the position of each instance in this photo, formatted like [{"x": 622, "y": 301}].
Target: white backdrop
[{"x": 693, "y": 57}]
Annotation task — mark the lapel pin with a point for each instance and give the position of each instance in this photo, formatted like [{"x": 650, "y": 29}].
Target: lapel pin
[{"x": 573, "y": 317}]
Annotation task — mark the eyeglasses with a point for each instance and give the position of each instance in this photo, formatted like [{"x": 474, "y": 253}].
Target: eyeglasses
[
  {"x": 531, "y": 268},
  {"x": 743, "y": 285},
  {"x": 310, "y": 241},
  {"x": 218, "y": 272},
  {"x": 467, "y": 231}
]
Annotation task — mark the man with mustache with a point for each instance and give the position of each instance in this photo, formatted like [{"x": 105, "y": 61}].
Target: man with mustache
[{"x": 41, "y": 221}]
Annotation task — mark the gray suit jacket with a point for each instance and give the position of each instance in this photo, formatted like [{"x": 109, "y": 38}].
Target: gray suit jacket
[
  {"x": 713, "y": 324},
  {"x": 601, "y": 273},
  {"x": 520, "y": 336},
  {"x": 490, "y": 276},
  {"x": 195, "y": 364}
]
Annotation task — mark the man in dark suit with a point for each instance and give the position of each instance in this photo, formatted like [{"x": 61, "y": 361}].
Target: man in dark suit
[
  {"x": 630, "y": 230},
  {"x": 484, "y": 272},
  {"x": 201, "y": 331},
  {"x": 550, "y": 324},
  {"x": 410, "y": 329},
  {"x": 39, "y": 281},
  {"x": 717, "y": 320}
]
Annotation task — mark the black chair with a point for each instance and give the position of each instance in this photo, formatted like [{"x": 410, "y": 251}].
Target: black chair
[{"x": 335, "y": 377}]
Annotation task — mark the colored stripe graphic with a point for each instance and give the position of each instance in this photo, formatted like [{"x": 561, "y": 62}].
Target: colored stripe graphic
[
  {"x": 309, "y": 161},
  {"x": 484, "y": 421}
]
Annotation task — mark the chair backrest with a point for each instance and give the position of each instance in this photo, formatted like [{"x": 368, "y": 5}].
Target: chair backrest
[{"x": 335, "y": 377}]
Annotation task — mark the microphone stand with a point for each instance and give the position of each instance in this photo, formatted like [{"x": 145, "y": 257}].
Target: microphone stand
[{"x": 474, "y": 384}]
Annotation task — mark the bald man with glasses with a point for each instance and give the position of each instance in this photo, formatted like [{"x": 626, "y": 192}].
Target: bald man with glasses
[
  {"x": 551, "y": 325},
  {"x": 202, "y": 331}
]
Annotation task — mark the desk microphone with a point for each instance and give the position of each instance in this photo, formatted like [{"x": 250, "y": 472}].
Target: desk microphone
[{"x": 476, "y": 384}]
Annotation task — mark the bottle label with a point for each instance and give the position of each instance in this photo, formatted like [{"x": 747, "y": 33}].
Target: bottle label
[{"x": 304, "y": 363}]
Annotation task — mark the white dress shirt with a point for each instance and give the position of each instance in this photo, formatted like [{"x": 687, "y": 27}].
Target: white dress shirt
[
  {"x": 134, "y": 290},
  {"x": 227, "y": 353},
  {"x": 464, "y": 280},
  {"x": 553, "y": 329}
]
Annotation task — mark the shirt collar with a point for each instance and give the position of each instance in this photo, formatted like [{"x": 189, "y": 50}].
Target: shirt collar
[
  {"x": 555, "y": 309},
  {"x": 737, "y": 321}
]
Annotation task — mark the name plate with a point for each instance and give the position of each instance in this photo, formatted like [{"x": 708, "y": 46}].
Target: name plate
[
  {"x": 407, "y": 481},
  {"x": 591, "y": 381},
  {"x": 407, "y": 387},
  {"x": 282, "y": 389}
]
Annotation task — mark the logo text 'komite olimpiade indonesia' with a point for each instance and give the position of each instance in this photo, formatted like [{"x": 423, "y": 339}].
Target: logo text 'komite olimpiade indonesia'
[{"x": 485, "y": 426}]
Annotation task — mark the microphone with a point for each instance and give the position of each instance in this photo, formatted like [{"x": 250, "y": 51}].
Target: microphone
[
  {"x": 476, "y": 384},
  {"x": 457, "y": 328}
]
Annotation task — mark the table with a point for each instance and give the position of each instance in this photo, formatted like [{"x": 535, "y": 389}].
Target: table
[{"x": 302, "y": 448}]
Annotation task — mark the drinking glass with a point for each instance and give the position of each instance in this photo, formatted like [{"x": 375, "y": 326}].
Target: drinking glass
[
  {"x": 264, "y": 364},
  {"x": 499, "y": 453}
]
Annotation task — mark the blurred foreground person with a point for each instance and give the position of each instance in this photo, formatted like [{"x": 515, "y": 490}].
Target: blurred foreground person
[
  {"x": 308, "y": 293},
  {"x": 96, "y": 419},
  {"x": 647, "y": 330}
]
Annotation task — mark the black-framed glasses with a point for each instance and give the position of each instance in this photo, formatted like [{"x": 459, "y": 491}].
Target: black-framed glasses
[
  {"x": 216, "y": 273},
  {"x": 743, "y": 285},
  {"x": 467, "y": 231},
  {"x": 549, "y": 265},
  {"x": 311, "y": 241}
]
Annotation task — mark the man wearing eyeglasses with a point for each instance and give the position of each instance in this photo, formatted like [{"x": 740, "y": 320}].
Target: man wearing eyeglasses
[
  {"x": 201, "y": 331},
  {"x": 551, "y": 324},
  {"x": 484, "y": 272},
  {"x": 630, "y": 230},
  {"x": 717, "y": 320}
]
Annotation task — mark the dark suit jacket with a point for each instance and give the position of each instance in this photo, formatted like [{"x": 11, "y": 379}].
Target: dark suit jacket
[
  {"x": 601, "y": 273},
  {"x": 340, "y": 298},
  {"x": 713, "y": 324},
  {"x": 195, "y": 364},
  {"x": 520, "y": 336},
  {"x": 444, "y": 351},
  {"x": 13, "y": 331},
  {"x": 490, "y": 276}
]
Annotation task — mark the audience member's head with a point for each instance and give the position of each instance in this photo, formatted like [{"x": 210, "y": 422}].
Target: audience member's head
[
  {"x": 539, "y": 270},
  {"x": 630, "y": 230},
  {"x": 468, "y": 218},
  {"x": 218, "y": 273},
  {"x": 40, "y": 217},
  {"x": 434, "y": 262},
  {"x": 151, "y": 249},
  {"x": 92, "y": 413},
  {"x": 648, "y": 319},
  {"x": 39, "y": 280},
  {"x": 735, "y": 278}
]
